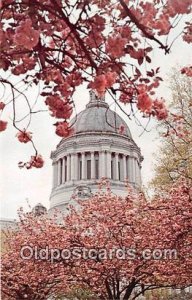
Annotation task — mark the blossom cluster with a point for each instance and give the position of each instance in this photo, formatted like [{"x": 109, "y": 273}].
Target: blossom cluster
[
  {"x": 59, "y": 107},
  {"x": 25, "y": 35},
  {"x": 103, "y": 82},
  {"x": 24, "y": 136},
  {"x": 36, "y": 161},
  {"x": 63, "y": 129},
  {"x": 108, "y": 47}
]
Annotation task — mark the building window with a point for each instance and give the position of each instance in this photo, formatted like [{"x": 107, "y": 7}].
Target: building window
[
  {"x": 127, "y": 165},
  {"x": 120, "y": 167},
  {"x": 80, "y": 169},
  {"x": 96, "y": 165},
  {"x": 88, "y": 169},
  {"x": 113, "y": 166},
  {"x": 96, "y": 169},
  {"x": 119, "y": 170}
]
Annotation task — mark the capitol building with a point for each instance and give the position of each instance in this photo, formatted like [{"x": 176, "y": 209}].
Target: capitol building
[{"x": 101, "y": 146}]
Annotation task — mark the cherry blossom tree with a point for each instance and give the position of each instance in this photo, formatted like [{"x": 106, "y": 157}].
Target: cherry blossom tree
[
  {"x": 108, "y": 45},
  {"x": 29, "y": 278},
  {"x": 119, "y": 248},
  {"x": 111, "y": 222}
]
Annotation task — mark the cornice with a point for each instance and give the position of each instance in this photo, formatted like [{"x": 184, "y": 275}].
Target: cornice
[{"x": 96, "y": 141}]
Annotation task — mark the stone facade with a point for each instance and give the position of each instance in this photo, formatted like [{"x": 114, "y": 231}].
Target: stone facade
[
  {"x": 6, "y": 223},
  {"x": 96, "y": 150}
]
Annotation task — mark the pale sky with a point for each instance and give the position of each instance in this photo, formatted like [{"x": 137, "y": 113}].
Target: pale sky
[{"x": 18, "y": 185}]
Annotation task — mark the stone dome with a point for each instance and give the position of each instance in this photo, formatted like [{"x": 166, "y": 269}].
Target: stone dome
[
  {"x": 96, "y": 150},
  {"x": 98, "y": 117}
]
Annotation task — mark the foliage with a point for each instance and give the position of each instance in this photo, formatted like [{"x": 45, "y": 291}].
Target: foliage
[
  {"x": 175, "y": 155},
  {"x": 179, "y": 296},
  {"x": 107, "y": 239},
  {"x": 168, "y": 294},
  {"x": 108, "y": 45},
  {"x": 29, "y": 279},
  {"x": 80, "y": 294}
]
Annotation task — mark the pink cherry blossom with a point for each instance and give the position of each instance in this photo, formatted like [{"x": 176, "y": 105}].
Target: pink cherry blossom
[
  {"x": 2, "y": 105},
  {"x": 179, "y": 7},
  {"x": 3, "y": 125},
  {"x": 125, "y": 223},
  {"x": 59, "y": 107},
  {"x": 163, "y": 25},
  {"x": 24, "y": 136},
  {"x": 36, "y": 161},
  {"x": 187, "y": 71},
  {"x": 116, "y": 45},
  {"x": 144, "y": 102},
  {"x": 25, "y": 35},
  {"x": 104, "y": 45},
  {"x": 187, "y": 37},
  {"x": 160, "y": 110},
  {"x": 110, "y": 79},
  {"x": 99, "y": 84},
  {"x": 63, "y": 129},
  {"x": 103, "y": 81}
]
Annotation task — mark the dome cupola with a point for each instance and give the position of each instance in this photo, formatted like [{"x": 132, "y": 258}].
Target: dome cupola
[
  {"x": 101, "y": 146},
  {"x": 98, "y": 117}
]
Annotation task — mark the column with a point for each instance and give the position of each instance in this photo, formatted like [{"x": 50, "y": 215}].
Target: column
[
  {"x": 92, "y": 165},
  {"x": 116, "y": 166},
  {"x": 72, "y": 166},
  {"x": 63, "y": 173},
  {"x": 68, "y": 167},
  {"x": 133, "y": 169},
  {"x": 138, "y": 173},
  {"x": 130, "y": 175},
  {"x": 124, "y": 168},
  {"x": 101, "y": 164},
  {"x": 54, "y": 174},
  {"x": 83, "y": 166},
  {"x": 140, "y": 178},
  {"x": 76, "y": 166},
  {"x": 108, "y": 155},
  {"x": 59, "y": 173}
]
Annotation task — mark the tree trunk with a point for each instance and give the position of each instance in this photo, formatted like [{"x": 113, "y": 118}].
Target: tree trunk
[{"x": 129, "y": 290}]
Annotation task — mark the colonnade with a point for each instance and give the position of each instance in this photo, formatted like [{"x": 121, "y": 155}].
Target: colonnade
[{"x": 95, "y": 165}]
